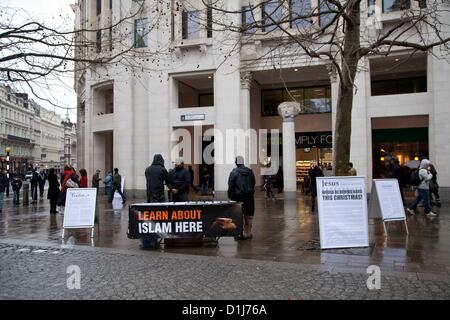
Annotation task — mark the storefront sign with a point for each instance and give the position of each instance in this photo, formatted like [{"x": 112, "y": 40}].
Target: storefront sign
[
  {"x": 192, "y": 117},
  {"x": 313, "y": 139},
  {"x": 79, "y": 211},
  {"x": 386, "y": 200},
  {"x": 185, "y": 220},
  {"x": 305, "y": 140},
  {"x": 343, "y": 220}
]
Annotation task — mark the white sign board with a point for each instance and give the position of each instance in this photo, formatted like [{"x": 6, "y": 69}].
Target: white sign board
[
  {"x": 116, "y": 194},
  {"x": 386, "y": 200},
  {"x": 79, "y": 211},
  {"x": 343, "y": 220}
]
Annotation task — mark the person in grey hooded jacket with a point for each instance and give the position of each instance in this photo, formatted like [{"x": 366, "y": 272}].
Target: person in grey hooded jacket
[{"x": 423, "y": 189}]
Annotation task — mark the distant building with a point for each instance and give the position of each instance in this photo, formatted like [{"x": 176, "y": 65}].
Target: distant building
[{"x": 35, "y": 135}]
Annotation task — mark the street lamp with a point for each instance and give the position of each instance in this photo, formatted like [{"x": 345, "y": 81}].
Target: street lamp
[{"x": 8, "y": 150}]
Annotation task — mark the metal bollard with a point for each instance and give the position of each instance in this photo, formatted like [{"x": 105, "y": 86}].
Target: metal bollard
[{"x": 26, "y": 194}]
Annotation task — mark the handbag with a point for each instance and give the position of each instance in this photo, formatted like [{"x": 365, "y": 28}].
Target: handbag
[{"x": 71, "y": 184}]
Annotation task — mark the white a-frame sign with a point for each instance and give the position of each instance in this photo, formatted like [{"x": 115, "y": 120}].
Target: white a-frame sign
[{"x": 386, "y": 202}]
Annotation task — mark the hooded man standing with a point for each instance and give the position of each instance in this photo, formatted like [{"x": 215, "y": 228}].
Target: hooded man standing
[
  {"x": 241, "y": 187},
  {"x": 156, "y": 175}
]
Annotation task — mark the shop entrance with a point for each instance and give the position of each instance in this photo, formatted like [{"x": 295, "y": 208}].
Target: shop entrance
[
  {"x": 408, "y": 145},
  {"x": 313, "y": 146}
]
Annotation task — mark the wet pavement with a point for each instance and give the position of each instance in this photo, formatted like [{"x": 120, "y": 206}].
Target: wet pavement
[{"x": 283, "y": 232}]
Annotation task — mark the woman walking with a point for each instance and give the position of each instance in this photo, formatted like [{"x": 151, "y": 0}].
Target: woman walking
[{"x": 53, "y": 190}]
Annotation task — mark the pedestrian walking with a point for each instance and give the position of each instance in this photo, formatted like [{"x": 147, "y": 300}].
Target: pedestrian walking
[
  {"x": 83, "y": 179},
  {"x": 34, "y": 185},
  {"x": 117, "y": 186},
  {"x": 351, "y": 170},
  {"x": 96, "y": 180},
  {"x": 179, "y": 181},
  {"x": 42, "y": 178},
  {"x": 397, "y": 173},
  {"x": 268, "y": 187},
  {"x": 3, "y": 185},
  {"x": 53, "y": 190},
  {"x": 423, "y": 189},
  {"x": 313, "y": 173},
  {"x": 204, "y": 179},
  {"x": 16, "y": 185},
  {"x": 241, "y": 188},
  {"x": 435, "y": 199},
  {"x": 108, "y": 183},
  {"x": 279, "y": 180},
  {"x": 156, "y": 176}
]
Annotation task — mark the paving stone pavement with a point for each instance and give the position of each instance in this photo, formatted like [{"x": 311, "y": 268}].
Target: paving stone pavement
[{"x": 39, "y": 271}]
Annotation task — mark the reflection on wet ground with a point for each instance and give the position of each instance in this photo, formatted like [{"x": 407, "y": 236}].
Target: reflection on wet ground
[{"x": 283, "y": 231}]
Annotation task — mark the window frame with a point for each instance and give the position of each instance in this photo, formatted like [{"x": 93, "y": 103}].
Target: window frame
[
  {"x": 144, "y": 27},
  {"x": 295, "y": 24},
  {"x": 326, "y": 87},
  {"x": 278, "y": 8}
]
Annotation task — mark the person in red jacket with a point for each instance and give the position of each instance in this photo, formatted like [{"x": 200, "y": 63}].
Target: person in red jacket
[{"x": 83, "y": 179}]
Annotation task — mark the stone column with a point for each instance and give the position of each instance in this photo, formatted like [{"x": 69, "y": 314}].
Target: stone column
[
  {"x": 288, "y": 111},
  {"x": 246, "y": 82}
]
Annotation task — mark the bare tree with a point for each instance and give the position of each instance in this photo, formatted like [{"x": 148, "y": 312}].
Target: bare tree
[
  {"x": 36, "y": 53},
  {"x": 340, "y": 32}
]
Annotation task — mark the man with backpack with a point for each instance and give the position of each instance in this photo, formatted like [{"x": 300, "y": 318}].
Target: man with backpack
[
  {"x": 421, "y": 179},
  {"x": 34, "y": 186},
  {"x": 241, "y": 187}
]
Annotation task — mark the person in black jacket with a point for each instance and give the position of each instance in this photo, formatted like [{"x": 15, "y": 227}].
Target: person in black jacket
[
  {"x": 179, "y": 181},
  {"x": 313, "y": 173},
  {"x": 156, "y": 175},
  {"x": 16, "y": 186},
  {"x": 53, "y": 190},
  {"x": 34, "y": 186},
  {"x": 241, "y": 187},
  {"x": 3, "y": 185}
]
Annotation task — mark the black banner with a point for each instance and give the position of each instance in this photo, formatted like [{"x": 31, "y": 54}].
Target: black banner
[{"x": 184, "y": 220}]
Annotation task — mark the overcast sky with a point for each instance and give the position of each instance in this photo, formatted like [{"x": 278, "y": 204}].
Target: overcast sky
[{"x": 54, "y": 13}]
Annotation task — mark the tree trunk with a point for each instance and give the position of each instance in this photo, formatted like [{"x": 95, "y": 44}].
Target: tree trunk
[{"x": 349, "y": 65}]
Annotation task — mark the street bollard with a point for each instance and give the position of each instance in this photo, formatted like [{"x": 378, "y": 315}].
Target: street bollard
[{"x": 26, "y": 194}]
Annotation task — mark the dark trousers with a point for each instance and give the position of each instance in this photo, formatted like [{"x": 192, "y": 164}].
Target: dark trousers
[
  {"x": 180, "y": 197},
  {"x": 113, "y": 191},
  {"x": 34, "y": 192},
  {"x": 53, "y": 204},
  {"x": 16, "y": 196},
  {"x": 155, "y": 197},
  {"x": 423, "y": 195},
  {"x": 41, "y": 190},
  {"x": 151, "y": 240}
]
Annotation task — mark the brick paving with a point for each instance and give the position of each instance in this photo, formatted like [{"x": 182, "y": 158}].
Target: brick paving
[{"x": 39, "y": 271}]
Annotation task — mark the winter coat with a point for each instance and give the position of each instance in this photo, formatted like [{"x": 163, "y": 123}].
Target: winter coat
[
  {"x": 424, "y": 175},
  {"x": 180, "y": 179},
  {"x": 156, "y": 175},
  {"x": 34, "y": 179},
  {"x": 53, "y": 187},
  {"x": 3, "y": 182},
  {"x": 313, "y": 174},
  {"x": 96, "y": 181},
  {"x": 204, "y": 178},
  {"x": 108, "y": 180},
  {"x": 117, "y": 181},
  {"x": 83, "y": 182},
  {"x": 16, "y": 184},
  {"x": 234, "y": 188}
]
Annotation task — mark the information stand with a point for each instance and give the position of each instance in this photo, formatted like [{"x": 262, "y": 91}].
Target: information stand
[
  {"x": 79, "y": 212},
  {"x": 386, "y": 202},
  {"x": 343, "y": 220}
]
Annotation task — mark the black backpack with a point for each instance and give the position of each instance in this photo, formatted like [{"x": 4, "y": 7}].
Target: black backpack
[{"x": 415, "y": 179}]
